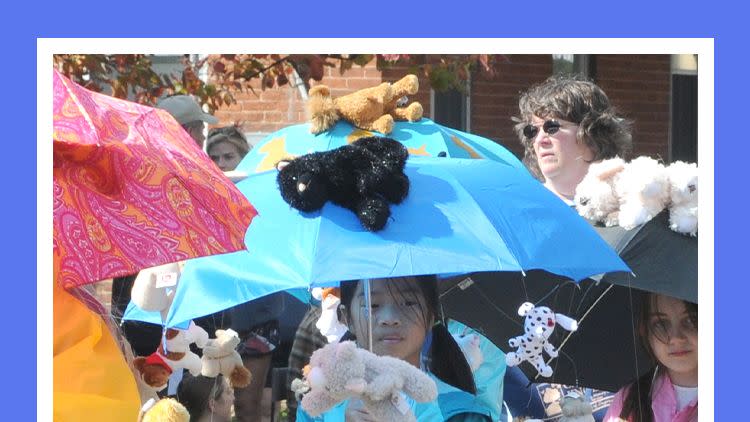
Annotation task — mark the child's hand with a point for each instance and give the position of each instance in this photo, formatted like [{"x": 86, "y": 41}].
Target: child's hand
[{"x": 356, "y": 412}]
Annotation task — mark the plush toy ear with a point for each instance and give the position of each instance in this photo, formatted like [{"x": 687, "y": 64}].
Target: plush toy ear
[
  {"x": 566, "y": 322},
  {"x": 281, "y": 164},
  {"x": 525, "y": 308},
  {"x": 609, "y": 173}
]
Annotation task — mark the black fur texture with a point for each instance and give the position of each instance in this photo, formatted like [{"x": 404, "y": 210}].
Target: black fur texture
[{"x": 364, "y": 177}]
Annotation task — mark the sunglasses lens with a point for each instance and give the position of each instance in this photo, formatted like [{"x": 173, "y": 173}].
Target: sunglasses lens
[
  {"x": 530, "y": 131},
  {"x": 551, "y": 127}
]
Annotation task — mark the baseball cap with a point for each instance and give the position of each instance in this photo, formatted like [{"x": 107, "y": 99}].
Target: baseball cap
[{"x": 185, "y": 110}]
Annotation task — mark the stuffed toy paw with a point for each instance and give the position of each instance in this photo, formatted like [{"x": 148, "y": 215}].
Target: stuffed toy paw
[
  {"x": 539, "y": 325},
  {"x": 220, "y": 357},
  {"x": 683, "y": 193},
  {"x": 372, "y": 109},
  {"x": 364, "y": 177},
  {"x": 341, "y": 371}
]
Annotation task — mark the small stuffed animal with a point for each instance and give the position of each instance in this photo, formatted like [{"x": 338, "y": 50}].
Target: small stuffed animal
[
  {"x": 595, "y": 197},
  {"x": 341, "y": 371},
  {"x": 369, "y": 109},
  {"x": 575, "y": 408},
  {"x": 153, "y": 290},
  {"x": 164, "y": 410},
  {"x": 683, "y": 192},
  {"x": 470, "y": 346},
  {"x": 364, "y": 177},
  {"x": 539, "y": 324},
  {"x": 643, "y": 190},
  {"x": 220, "y": 357},
  {"x": 328, "y": 323},
  {"x": 154, "y": 370}
]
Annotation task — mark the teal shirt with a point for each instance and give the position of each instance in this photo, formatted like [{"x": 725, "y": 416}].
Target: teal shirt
[
  {"x": 452, "y": 405},
  {"x": 490, "y": 374}
]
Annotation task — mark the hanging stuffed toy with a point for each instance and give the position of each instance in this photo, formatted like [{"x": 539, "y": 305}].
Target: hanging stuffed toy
[
  {"x": 220, "y": 357},
  {"x": 328, "y": 323},
  {"x": 372, "y": 109},
  {"x": 342, "y": 371},
  {"x": 539, "y": 324},
  {"x": 153, "y": 290},
  {"x": 364, "y": 177}
]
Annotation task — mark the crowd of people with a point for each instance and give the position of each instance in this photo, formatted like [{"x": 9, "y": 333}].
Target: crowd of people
[{"x": 565, "y": 123}]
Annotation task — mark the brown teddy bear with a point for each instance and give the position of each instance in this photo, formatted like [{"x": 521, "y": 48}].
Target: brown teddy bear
[{"x": 369, "y": 109}]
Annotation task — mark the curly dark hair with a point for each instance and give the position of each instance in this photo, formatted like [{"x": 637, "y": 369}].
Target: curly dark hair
[{"x": 575, "y": 99}]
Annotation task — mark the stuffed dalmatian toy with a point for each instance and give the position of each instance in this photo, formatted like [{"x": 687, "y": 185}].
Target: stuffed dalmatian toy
[{"x": 539, "y": 324}]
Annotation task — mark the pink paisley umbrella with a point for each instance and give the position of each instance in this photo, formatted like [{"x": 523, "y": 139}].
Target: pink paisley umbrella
[{"x": 132, "y": 190}]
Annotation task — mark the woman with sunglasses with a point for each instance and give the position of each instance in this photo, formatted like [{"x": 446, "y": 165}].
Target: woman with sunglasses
[
  {"x": 567, "y": 123},
  {"x": 668, "y": 329}
]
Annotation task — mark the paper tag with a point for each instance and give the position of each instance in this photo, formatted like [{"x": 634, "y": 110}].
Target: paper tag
[
  {"x": 166, "y": 279},
  {"x": 465, "y": 284},
  {"x": 399, "y": 402}
]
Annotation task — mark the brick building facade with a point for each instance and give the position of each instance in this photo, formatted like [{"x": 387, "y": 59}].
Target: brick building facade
[{"x": 640, "y": 86}]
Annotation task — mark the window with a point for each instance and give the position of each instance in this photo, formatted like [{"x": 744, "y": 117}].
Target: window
[
  {"x": 572, "y": 64},
  {"x": 683, "y": 143},
  {"x": 451, "y": 108}
]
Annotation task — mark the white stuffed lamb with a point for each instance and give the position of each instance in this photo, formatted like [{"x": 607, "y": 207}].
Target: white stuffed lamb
[
  {"x": 643, "y": 190},
  {"x": 595, "y": 197}
]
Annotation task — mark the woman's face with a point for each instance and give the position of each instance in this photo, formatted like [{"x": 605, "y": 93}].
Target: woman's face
[
  {"x": 560, "y": 156},
  {"x": 225, "y": 155},
  {"x": 222, "y": 406},
  {"x": 673, "y": 336},
  {"x": 398, "y": 323}
]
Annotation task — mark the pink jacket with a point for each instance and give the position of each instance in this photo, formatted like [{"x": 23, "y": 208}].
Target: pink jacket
[{"x": 663, "y": 403}]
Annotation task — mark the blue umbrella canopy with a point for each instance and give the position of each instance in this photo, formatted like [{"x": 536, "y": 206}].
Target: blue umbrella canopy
[
  {"x": 460, "y": 216},
  {"x": 423, "y": 138}
]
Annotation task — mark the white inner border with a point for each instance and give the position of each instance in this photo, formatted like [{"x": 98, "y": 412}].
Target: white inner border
[{"x": 704, "y": 47}]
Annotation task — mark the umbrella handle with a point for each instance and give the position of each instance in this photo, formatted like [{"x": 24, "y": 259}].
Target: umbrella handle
[{"x": 368, "y": 305}]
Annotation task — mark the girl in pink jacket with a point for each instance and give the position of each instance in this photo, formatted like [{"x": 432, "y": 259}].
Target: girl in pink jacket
[{"x": 668, "y": 328}]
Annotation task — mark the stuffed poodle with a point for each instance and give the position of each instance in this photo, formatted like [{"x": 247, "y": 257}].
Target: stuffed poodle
[
  {"x": 683, "y": 193},
  {"x": 220, "y": 357},
  {"x": 341, "y": 371},
  {"x": 372, "y": 109},
  {"x": 539, "y": 324},
  {"x": 364, "y": 177}
]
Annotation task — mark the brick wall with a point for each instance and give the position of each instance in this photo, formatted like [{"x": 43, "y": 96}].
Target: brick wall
[{"x": 639, "y": 85}]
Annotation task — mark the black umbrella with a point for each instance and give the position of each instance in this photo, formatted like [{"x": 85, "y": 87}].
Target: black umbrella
[{"x": 605, "y": 352}]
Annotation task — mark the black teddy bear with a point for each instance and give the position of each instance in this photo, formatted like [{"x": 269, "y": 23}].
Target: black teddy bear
[{"x": 364, "y": 176}]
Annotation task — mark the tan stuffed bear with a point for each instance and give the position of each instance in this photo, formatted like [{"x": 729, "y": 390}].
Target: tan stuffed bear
[
  {"x": 341, "y": 371},
  {"x": 371, "y": 109},
  {"x": 220, "y": 357}
]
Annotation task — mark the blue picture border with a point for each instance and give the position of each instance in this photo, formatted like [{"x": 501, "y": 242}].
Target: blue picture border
[{"x": 25, "y": 22}]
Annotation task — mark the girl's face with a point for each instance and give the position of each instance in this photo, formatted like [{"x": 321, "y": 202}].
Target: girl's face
[
  {"x": 398, "y": 318},
  {"x": 225, "y": 155},
  {"x": 673, "y": 336},
  {"x": 222, "y": 406}
]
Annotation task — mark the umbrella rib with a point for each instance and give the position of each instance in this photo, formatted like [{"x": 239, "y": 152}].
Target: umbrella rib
[{"x": 565, "y": 340}]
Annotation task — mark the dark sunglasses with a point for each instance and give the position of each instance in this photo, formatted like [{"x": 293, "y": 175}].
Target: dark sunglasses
[{"x": 550, "y": 127}]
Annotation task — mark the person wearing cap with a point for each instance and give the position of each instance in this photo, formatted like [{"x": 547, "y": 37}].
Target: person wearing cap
[{"x": 189, "y": 114}]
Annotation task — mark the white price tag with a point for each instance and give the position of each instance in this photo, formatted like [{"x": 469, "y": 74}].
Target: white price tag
[
  {"x": 166, "y": 279},
  {"x": 400, "y": 403}
]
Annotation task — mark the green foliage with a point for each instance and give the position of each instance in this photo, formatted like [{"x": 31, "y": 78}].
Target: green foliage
[{"x": 132, "y": 75}]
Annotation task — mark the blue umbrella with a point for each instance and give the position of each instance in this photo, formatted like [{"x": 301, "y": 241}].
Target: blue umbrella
[
  {"x": 422, "y": 138},
  {"x": 460, "y": 216}
]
